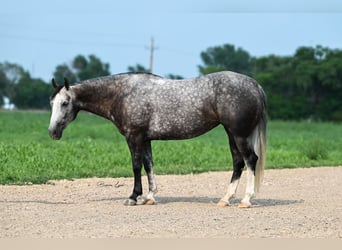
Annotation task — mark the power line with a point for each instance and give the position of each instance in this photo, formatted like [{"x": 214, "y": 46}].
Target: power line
[
  {"x": 96, "y": 43},
  {"x": 68, "y": 41}
]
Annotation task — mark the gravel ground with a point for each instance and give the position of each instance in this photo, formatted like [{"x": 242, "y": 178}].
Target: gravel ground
[{"x": 293, "y": 203}]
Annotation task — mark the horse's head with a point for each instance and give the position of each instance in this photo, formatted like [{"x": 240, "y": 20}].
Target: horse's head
[{"x": 63, "y": 109}]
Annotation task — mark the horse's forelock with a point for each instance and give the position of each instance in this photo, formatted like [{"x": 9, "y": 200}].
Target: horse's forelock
[{"x": 56, "y": 91}]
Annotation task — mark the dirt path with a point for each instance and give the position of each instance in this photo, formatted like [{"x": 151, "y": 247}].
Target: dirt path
[{"x": 301, "y": 203}]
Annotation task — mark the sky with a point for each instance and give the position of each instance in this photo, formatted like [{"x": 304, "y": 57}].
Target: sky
[{"x": 40, "y": 34}]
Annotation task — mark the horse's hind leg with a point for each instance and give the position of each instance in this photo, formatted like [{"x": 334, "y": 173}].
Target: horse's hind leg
[
  {"x": 148, "y": 166},
  {"x": 238, "y": 165},
  {"x": 250, "y": 159}
]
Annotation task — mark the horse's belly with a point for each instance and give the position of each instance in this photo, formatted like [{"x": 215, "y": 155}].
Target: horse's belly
[{"x": 179, "y": 127}]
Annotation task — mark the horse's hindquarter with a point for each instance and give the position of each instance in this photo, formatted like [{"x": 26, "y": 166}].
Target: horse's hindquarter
[{"x": 238, "y": 100}]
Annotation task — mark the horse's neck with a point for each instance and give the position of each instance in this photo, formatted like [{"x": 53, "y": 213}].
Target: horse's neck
[{"x": 94, "y": 99}]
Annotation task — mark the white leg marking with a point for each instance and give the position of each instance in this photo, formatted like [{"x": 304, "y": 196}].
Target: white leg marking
[
  {"x": 152, "y": 186},
  {"x": 250, "y": 189},
  {"x": 230, "y": 193},
  {"x": 150, "y": 200}
]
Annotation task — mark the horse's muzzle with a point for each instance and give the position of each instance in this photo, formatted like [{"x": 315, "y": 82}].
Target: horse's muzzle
[{"x": 55, "y": 134}]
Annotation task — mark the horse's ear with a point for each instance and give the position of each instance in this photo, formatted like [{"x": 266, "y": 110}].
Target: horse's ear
[
  {"x": 54, "y": 84},
  {"x": 66, "y": 84}
]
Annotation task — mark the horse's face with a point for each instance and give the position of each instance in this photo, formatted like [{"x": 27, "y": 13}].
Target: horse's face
[{"x": 63, "y": 111}]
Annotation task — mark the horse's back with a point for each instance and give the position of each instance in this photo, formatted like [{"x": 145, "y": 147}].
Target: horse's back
[{"x": 171, "y": 109}]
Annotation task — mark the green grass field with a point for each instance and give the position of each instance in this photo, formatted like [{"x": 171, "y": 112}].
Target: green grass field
[{"x": 92, "y": 146}]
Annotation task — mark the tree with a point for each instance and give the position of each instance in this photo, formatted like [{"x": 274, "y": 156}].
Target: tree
[
  {"x": 81, "y": 69},
  {"x": 225, "y": 57},
  {"x": 22, "y": 90},
  {"x": 63, "y": 71},
  {"x": 174, "y": 77},
  {"x": 10, "y": 75},
  {"x": 305, "y": 85},
  {"x": 329, "y": 74},
  {"x": 31, "y": 93},
  {"x": 3, "y": 84},
  {"x": 86, "y": 69},
  {"x": 317, "y": 73},
  {"x": 275, "y": 74},
  {"x": 80, "y": 63},
  {"x": 140, "y": 68},
  {"x": 137, "y": 68}
]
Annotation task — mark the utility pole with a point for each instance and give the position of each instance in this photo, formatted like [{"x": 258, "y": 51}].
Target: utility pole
[{"x": 152, "y": 48}]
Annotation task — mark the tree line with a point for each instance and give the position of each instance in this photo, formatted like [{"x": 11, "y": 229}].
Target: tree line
[{"x": 306, "y": 85}]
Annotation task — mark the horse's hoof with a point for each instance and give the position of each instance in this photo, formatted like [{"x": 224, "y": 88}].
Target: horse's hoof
[
  {"x": 130, "y": 202},
  {"x": 150, "y": 202},
  {"x": 245, "y": 205},
  {"x": 141, "y": 201},
  {"x": 222, "y": 203}
]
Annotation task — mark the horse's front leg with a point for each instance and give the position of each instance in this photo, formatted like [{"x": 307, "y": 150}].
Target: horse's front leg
[
  {"x": 148, "y": 165},
  {"x": 135, "y": 147}
]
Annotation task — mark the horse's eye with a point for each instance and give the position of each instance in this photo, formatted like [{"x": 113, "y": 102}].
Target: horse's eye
[{"x": 65, "y": 103}]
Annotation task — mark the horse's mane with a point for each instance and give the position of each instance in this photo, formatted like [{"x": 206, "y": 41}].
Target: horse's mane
[{"x": 94, "y": 80}]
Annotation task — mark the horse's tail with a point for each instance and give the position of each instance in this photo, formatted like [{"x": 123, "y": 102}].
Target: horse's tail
[{"x": 258, "y": 141}]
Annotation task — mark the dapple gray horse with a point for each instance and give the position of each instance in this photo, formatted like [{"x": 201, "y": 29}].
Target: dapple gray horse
[{"x": 146, "y": 107}]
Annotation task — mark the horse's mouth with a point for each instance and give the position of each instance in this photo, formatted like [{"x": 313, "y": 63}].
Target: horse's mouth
[{"x": 56, "y": 134}]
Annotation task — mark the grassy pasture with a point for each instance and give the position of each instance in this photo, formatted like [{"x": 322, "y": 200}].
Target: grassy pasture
[{"x": 92, "y": 146}]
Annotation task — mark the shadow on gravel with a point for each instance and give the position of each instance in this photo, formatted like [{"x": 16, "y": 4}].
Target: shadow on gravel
[
  {"x": 39, "y": 202},
  {"x": 234, "y": 202},
  {"x": 168, "y": 200},
  {"x": 274, "y": 202}
]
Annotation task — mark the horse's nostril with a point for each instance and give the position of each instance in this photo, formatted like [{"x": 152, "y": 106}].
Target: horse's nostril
[{"x": 54, "y": 134}]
